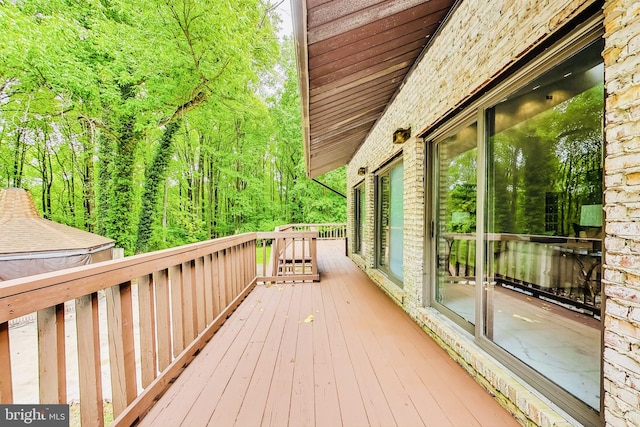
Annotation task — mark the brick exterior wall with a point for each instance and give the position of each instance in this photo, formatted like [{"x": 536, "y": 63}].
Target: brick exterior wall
[
  {"x": 621, "y": 280},
  {"x": 479, "y": 42}
]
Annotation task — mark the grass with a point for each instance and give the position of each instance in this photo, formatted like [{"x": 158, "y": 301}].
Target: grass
[
  {"x": 74, "y": 414},
  {"x": 259, "y": 255}
]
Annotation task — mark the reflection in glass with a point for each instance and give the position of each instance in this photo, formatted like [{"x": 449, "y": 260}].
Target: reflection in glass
[
  {"x": 456, "y": 219},
  {"x": 544, "y": 224},
  {"x": 391, "y": 221},
  {"x": 359, "y": 202}
]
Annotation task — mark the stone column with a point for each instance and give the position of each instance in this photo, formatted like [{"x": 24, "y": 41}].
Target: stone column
[{"x": 621, "y": 281}]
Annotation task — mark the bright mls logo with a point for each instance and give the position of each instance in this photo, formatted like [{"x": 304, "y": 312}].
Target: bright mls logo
[{"x": 34, "y": 415}]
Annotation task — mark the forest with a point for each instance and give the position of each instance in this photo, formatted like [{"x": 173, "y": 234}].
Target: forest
[{"x": 156, "y": 122}]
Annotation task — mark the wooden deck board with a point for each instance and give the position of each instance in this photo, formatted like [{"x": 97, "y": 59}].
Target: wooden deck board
[
  {"x": 376, "y": 405},
  {"x": 276, "y": 411},
  {"x": 361, "y": 361},
  {"x": 258, "y": 392},
  {"x": 327, "y": 405},
  {"x": 352, "y": 409}
]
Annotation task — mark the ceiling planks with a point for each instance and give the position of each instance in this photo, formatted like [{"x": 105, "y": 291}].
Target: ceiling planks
[{"x": 353, "y": 55}]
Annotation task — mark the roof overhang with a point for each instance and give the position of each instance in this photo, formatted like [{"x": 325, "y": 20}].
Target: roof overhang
[{"x": 352, "y": 58}]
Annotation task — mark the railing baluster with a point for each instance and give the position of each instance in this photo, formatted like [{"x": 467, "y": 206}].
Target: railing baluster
[
  {"x": 234, "y": 270},
  {"x": 147, "y": 329},
  {"x": 314, "y": 256},
  {"x": 51, "y": 355},
  {"x": 252, "y": 249},
  {"x": 188, "y": 303},
  {"x": 6, "y": 388},
  {"x": 235, "y": 281},
  {"x": 293, "y": 255},
  {"x": 222, "y": 275},
  {"x": 198, "y": 285},
  {"x": 237, "y": 262},
  {"x": 264, "y": 257},
  {"x": 175, "y": 277},
  {"x": 275, "y": 256},
  {"x": 240, "y": 265},
  {"x": 217, "y": 283},
  {"x": 163, "y": 322},
  {"x": 244, "y": 261},
  {"x": 121, "y": 346},
  {"x": 305, "y": 241},
  {"x": 90, "y": 378},
  {"x": 228, "y": 277},
  {"x": 208, "y": 289},
  {"x": 62, "y": 354}
]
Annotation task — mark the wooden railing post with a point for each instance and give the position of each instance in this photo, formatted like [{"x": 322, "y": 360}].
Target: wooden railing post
[{"x": 6, "y": 388}]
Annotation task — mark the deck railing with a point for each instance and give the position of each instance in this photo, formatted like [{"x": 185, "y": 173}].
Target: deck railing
[
  {"x": 327, "y": 231},
  {"x": 161, "y": 309}
]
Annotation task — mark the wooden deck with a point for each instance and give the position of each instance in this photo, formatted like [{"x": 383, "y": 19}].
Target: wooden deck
[{"x": 334, "y": 353}]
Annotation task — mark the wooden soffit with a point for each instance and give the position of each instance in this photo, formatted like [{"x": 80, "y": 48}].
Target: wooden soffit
[{"x": 352, "y": 57}]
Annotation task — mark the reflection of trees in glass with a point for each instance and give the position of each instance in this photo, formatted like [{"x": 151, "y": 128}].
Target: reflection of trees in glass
[
  {"x": 558, "y": 151},
  {"x": 384, "y": 188},
  {"x": 462, "y": 193}
]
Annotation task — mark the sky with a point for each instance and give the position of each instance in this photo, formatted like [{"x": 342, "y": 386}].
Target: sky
[{"x": 284, "y": 10}]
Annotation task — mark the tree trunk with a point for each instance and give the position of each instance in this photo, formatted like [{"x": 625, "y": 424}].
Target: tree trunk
[{"x": 154, "y": 177}]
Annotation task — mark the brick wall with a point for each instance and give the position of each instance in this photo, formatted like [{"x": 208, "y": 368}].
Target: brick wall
[{"x": 621, "y": 281}]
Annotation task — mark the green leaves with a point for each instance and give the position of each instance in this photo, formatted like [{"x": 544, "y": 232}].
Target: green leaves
[{"x": 90, "y": 89}]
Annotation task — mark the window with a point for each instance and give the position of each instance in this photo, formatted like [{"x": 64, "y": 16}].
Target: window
[
  {"x": 359, "y": 219},
  {"x": 390, "y": 220}
]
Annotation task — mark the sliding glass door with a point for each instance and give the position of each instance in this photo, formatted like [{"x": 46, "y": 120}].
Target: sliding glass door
[
  {"x": 390, "y": 220},
  {"x": 522, "y": 187}
]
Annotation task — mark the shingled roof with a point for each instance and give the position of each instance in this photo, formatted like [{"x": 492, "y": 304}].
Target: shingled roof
[{"x": 23, "y": 231}]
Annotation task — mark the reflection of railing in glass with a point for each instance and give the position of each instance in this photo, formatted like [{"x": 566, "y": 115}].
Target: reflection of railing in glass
[{"x": 564, "y": 271}]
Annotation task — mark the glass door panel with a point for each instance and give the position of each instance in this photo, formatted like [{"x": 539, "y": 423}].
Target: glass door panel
[
  {"x": 456, "y": 173},
  {"x": 396, "y": 222},
  {"x": 391, "y": 221},
  {"x": 544, "y": 224}
]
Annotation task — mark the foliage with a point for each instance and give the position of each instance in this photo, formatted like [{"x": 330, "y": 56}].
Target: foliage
[
  {"x": 156, "y": 123},
  {"x": 546, "y": 168}
]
